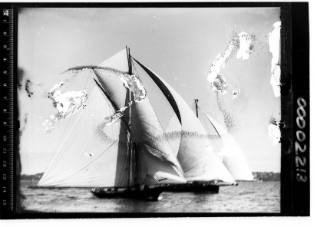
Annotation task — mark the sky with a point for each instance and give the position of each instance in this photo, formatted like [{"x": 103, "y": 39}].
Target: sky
[{"x": 177, "y": 43}]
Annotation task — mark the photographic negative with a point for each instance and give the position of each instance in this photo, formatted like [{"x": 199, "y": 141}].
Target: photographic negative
[{"x": 160, "y": 110}]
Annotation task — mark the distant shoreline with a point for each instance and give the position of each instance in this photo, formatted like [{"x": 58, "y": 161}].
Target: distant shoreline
[
  {"x": 260, "y": 176},
  {"x": 266, "y": 176}
]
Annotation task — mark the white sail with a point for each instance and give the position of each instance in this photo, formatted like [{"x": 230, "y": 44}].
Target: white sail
[
  {"x": 153, "y": 152},
  {"x": 232, "y": 155},
  {"x": 195, "y": 154},
  {"x": 89, "y": 155},
  {"x": 153, "y": 155},
  {"x": 173, "y": 134}
]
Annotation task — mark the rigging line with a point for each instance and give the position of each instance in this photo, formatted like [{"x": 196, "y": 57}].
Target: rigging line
[
  {"x": 213, "y": 126},
  {"x": 89, "y": 163}
]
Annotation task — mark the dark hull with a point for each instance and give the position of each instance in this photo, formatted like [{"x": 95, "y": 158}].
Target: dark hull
[{"x": 153, "y": 192}]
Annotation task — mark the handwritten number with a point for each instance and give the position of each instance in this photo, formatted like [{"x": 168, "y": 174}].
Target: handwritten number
[
  {"x": 300, "y": 161},
  {"x": 301, "y": 178},
  {"x": 300, "y": 148},
  {"x": 300, "y": 135},
  {"x": 301, "y": 102}
]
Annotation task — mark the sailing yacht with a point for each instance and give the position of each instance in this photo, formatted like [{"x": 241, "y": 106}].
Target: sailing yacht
[{"x": 131, "y": 153}]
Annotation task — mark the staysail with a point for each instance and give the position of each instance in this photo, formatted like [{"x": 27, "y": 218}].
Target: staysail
[
  {"x": 232, "y": 155},
  {"x": 195, "y": 153}
]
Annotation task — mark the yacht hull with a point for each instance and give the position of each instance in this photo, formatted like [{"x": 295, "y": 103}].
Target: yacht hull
[
  {"x": 150, "y": 194},
  {"x": 153, "y": 192}
]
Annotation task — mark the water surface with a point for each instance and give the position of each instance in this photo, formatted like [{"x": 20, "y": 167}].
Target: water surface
[{"x": 246, "y": 197}]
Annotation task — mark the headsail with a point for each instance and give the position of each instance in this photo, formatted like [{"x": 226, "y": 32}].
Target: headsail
[
  {"x": 233, "y": 157},
  {"x": 195, "y": 154}
]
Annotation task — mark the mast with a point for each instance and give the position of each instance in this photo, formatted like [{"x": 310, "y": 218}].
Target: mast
[
  {"x": 130, "y": 71},
  {"x": 196, "y": 107},
  {"x": 130, "y": 144}
]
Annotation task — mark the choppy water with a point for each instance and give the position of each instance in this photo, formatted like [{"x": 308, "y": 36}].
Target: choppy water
[{"x": 246, "y": 197}]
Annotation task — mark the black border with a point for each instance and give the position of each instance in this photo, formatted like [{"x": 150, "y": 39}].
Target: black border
[{"x": 295, "y": 198}]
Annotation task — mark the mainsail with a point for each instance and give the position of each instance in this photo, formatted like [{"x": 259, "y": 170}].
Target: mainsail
[
  {"x": 89, "y": 153},
  {"x": 195, "y": 153},
  {"x": 232, "y": 155}
]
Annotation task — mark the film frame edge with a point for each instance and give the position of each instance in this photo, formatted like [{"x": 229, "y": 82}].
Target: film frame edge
[{"x": 295, "y": 185}]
